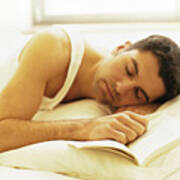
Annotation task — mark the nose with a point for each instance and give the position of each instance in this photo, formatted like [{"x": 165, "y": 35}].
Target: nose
[{"x": 124, "y": 87}]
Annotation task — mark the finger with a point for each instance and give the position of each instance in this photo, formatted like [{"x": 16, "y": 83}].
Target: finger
[
  {"x": 130, "y": 134},
  {"x": 144, "y": 121},
  {"x": 117, "y": 135},
  {"x": 136, "y": 126}
]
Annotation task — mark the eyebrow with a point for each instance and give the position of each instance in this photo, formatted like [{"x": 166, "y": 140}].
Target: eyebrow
[
  {"x": 144, "y": 93},
  {"x": 135, "y": 65}
]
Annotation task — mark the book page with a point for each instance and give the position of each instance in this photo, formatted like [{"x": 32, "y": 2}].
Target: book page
[
  {"x": 163, "y": 134},
  {"x": 106, "y": 145}
]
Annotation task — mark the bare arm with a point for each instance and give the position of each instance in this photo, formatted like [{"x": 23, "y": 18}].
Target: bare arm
[
  {"x": 45, "y": 56},
  {"x": 122, "y": 127},
  {"x": 16, "y": 133}
]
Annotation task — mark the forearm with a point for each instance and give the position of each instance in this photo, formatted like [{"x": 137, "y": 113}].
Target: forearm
[
  {"x": 17, "y": 133},
  {"x": 122, "y": 127}
]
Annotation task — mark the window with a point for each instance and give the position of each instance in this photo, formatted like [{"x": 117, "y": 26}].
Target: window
[{"x": 97, "y": 11}]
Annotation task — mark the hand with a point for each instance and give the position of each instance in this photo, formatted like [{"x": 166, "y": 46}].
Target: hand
[{"x": 122, "y": 127}]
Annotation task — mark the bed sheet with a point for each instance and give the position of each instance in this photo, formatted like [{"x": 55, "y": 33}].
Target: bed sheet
[
  {"x": 58, "y": 157},
  {"x": 7, "y": 173}
]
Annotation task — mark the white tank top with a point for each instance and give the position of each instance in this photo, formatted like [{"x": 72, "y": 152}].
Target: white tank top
[{"x": 77, "y": 52}]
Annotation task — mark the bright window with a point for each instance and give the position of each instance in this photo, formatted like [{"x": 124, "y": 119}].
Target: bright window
[{"x": 77, "y": 11}]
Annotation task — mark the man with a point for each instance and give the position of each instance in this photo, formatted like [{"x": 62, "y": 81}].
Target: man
[{"x": 142, "y": 73}]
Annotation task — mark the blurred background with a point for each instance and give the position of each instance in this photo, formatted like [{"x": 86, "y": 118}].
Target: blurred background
[
  {"x": 24, "y": 13},
  {"x": 103, "y": 22}
]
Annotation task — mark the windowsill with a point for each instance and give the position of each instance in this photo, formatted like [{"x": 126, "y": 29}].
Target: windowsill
[{"x": 109, "y": 27}]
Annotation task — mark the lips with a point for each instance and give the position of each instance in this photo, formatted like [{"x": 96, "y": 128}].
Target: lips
[
  {"x": 109, "y": 91},
  {"x": 105, "y": 88}
]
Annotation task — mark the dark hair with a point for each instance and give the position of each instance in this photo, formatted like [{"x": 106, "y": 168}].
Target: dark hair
[{"x": 168, "y": 54}]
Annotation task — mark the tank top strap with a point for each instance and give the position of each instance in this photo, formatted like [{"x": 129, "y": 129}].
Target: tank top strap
[{"x": 77, "y": 52}]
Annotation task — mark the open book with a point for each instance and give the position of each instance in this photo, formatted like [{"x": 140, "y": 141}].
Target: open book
[{"x": 162, "y": 136}]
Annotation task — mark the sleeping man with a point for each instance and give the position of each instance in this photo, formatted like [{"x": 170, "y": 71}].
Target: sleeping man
[{"x": 145, "y": 72}]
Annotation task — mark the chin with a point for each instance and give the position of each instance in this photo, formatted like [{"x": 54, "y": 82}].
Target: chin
[
  {"x": 104, "y": 101},
  {"x": 101, "y": 100}
]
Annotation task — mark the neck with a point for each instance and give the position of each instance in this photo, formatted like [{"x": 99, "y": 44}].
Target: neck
[{"x": 91, "y": 61}]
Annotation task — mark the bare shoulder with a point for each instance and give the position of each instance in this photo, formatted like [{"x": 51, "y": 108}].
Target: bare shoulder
[
  {"x": 48, "y": 52},
  {"x": 45, "y": 56}
]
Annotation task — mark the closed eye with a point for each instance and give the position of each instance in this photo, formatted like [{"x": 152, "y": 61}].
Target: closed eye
[
  {"x": 139, "y": 89},
  {"x": 130, "y": 74},
  {"x": 133, "y": 69}
]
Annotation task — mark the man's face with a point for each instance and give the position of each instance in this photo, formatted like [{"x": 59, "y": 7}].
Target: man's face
[{"x": 129, "y": 78}]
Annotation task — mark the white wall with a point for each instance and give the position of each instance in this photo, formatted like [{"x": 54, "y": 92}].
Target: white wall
[
  {"x": 15, "y": 13},
  {"x": 14, "y": 18}
]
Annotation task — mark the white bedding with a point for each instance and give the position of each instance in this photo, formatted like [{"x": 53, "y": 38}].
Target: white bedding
[
  {"x": 89, "y": 164},
  {"x": 7, "y": 173},
  {"x": 46, "y": 159},
  {"x": 59, "y": 157}
]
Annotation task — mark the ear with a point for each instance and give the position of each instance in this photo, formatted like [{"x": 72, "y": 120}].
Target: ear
[{"x": 121, "y": 47}]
